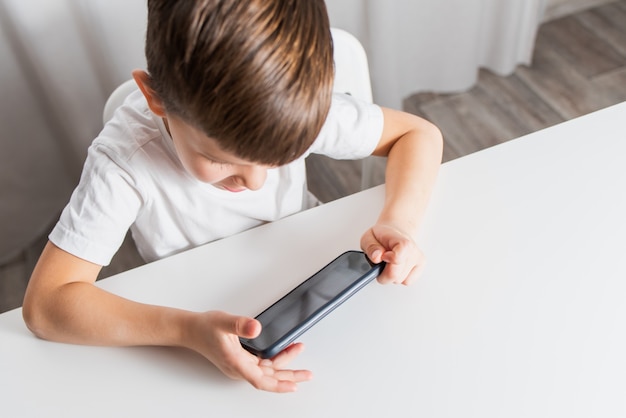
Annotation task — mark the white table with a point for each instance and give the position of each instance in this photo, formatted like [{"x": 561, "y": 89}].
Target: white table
[{"x": 521, "y": 311}]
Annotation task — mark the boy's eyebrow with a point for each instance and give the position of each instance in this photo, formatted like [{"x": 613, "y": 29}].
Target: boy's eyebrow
[
  {"x": 212, "y": 157},
  {"x": 215, "y": 159}
]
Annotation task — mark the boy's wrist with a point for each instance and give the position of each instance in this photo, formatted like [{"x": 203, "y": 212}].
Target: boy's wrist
[
  {"x": 181, "y": 327},
  {"x": 402, "y": 223}
]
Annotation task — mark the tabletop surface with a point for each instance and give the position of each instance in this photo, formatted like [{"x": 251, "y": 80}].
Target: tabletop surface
[{"x": 520, "y": 311}]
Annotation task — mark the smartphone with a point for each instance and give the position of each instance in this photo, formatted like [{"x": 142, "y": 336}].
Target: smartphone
[{"x": 310, "y": 301}]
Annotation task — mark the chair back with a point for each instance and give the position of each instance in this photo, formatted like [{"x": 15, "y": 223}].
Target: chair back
[
  {"x": 116, "y": 99},
  {"x": 352, "y": 74}
]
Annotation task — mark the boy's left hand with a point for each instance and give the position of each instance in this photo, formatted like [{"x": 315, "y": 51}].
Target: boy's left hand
[{"x": 388, "y": 243}]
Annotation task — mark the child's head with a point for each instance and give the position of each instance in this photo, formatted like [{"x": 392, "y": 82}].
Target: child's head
[{"x": 254, "y": 75}]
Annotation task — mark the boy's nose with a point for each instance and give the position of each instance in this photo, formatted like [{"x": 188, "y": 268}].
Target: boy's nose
[{"x": 254, "y": 177}]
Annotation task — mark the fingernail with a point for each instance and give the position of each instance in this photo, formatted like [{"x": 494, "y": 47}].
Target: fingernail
[{"x": 376, "y": 254}]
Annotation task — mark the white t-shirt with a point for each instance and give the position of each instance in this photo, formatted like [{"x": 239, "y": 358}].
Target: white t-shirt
[{"x": 133, "y": 178}]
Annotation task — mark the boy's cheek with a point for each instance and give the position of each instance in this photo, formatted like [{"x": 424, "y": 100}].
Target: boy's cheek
[{"x": 205, "y": 173}]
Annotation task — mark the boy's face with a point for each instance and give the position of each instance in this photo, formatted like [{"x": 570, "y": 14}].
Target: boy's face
[{"x": 203, "y": 159}]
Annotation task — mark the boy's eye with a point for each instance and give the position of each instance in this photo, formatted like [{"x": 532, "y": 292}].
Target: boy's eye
[
  {"x": 220, "y": 163},
  {"x": 209, "y": 159}
]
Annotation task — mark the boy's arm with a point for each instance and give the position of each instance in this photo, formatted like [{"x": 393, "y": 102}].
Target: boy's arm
[
  {"x": 414, "y": 149},
  {"x": 63, "y": 304}
]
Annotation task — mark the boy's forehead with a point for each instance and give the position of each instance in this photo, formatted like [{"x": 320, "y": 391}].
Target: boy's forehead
[{"x": 202, "y": 143}]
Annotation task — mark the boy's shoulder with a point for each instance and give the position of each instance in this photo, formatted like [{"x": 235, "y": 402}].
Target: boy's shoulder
[
  {"x": 132, "y": 128},
  {"x": 352, "y": 129}
]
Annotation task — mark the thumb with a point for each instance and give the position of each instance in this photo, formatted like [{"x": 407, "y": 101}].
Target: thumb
[
  {"x": 241, "y": 326},
  {"x": 372, "y": 247}
]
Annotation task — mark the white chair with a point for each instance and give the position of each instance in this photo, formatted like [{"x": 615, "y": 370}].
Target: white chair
[
  {"x": 351, "y": 76},
  {"x": 116, "y": 99}
]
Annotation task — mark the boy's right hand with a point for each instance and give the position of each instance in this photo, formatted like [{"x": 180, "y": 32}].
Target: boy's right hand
[
  {"x": 216, "y": 334},
  {"x": 62, "y": 304}
]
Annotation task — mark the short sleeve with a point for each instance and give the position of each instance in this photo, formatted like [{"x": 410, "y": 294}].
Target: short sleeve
[
  {"x": 352, "y": 129},
  {"x": 106, "y": 202}
]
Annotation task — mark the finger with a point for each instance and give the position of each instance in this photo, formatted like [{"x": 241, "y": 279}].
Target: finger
[
  {"x": 401, "y": 252},
  {"x": 268, "y": 379},
  {"x": 269, "y": 383},
  {"x": 248, "y": 327},
  {"x": 296, "y": 376},
  {"x": 278, "y": 386},
  {"x": 284, "y": 357},
  {"x": 403, "y": 266},
  {"x": 414, "y": 275},
  {"x": 269, "y": 375},
  {"x": 393, "y": 274},
  {"x": 371, "y": 247},
  {"x": 275, "y": 367},
  {"x": 396, "y": 269},
  {"x": 241, "y": 326}
]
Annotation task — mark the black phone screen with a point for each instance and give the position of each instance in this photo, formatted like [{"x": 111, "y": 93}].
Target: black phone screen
[{"x": 286, "y": 319}]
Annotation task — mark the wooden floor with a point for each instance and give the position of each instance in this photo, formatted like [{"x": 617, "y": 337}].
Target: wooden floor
[{"x": 579, "y": 66}]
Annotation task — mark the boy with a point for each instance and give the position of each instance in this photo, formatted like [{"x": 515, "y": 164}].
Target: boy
[{"x": 237, "y": 93}]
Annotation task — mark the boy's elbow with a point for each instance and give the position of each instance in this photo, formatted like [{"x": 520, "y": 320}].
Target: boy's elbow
[
  {"x": 35, "y": 317},
  {"x": 438, "y": 140},
  {"x": 30, "y": 316},
  {"x": 45, "y": 308},
  {"x": 433, "y": 135}
]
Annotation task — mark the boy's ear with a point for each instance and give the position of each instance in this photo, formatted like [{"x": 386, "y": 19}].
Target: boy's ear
[{"x": 154, "y": 101}]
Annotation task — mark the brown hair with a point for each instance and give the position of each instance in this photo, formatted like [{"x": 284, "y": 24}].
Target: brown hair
[{"x": 255, "y": 75}]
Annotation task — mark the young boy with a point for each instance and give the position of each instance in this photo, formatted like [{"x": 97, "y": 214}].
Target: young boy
[{"x": 236, "y": 94}]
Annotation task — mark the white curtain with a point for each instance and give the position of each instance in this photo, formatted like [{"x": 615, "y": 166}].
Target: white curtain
[
  {"x": 59, "y": 61},
  {"x": 437, "y": 45}
]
